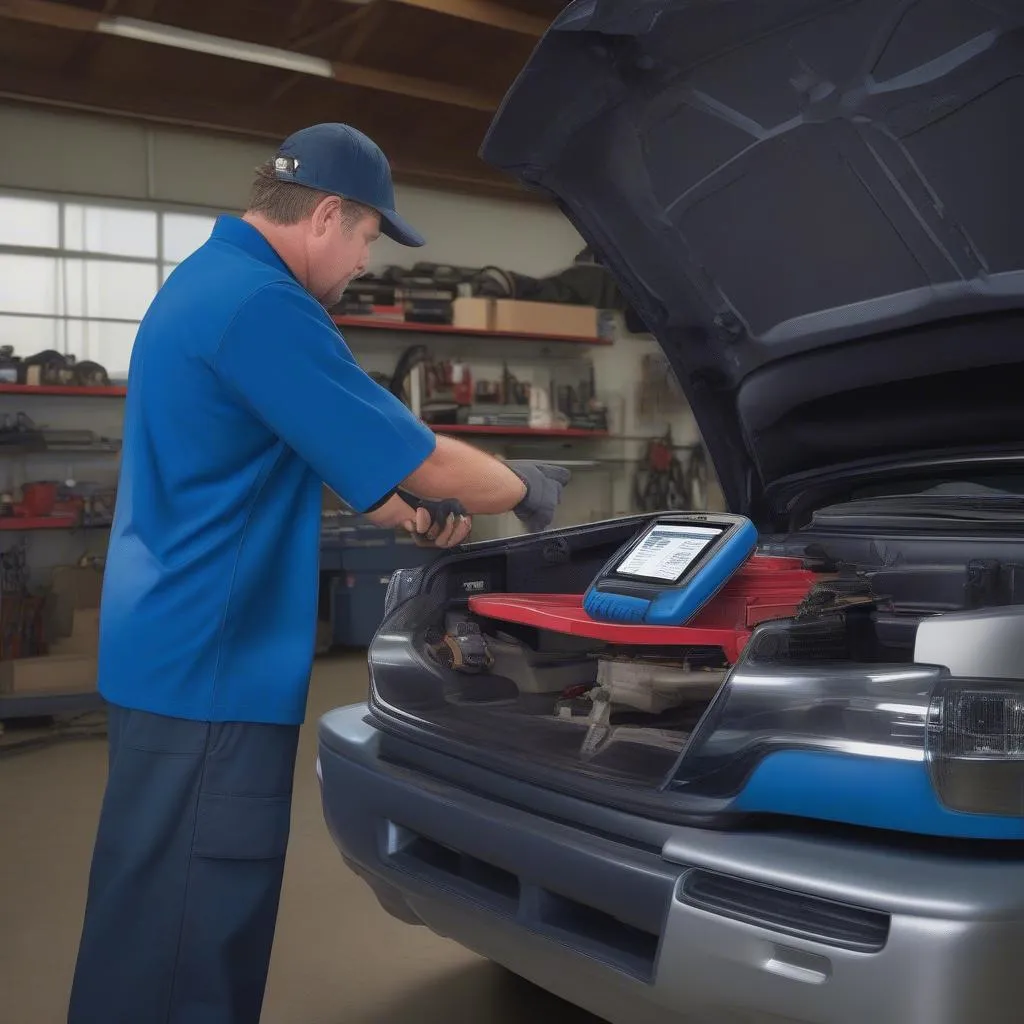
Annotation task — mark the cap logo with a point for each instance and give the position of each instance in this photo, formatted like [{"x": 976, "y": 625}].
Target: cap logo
[{"x": 286, "y": 164}]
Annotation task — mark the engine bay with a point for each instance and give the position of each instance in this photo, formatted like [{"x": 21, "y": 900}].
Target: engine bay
[
  {"x": 533, "y": 673},
  {"x": 490, "y": 654}
]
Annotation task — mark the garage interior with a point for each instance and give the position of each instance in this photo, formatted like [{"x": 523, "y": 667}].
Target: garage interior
[{"x": 127, "y": 127}]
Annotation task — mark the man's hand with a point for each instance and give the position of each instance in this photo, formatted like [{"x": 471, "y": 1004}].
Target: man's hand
[
  {"x": 442, "y": 524},
  {"x": 450, "y": 534},
  {"x": 544, "y": 486},
  {"x": 429, "y": 523}
]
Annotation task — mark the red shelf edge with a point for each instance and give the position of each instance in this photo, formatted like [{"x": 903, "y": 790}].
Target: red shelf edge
[
  {"x": 39, "y": 523},
  {"x": 13, "y": 524},
  {"x": 462, "y": 332},
  {"x": 60, "y": 389},
  {"x": 483, "y": 428}
]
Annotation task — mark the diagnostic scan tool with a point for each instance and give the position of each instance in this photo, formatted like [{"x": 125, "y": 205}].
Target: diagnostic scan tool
[{"x": 668, "y": 573}]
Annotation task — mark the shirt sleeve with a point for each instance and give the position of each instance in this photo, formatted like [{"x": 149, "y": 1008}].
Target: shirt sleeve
[{"x": 286, "y": 361}]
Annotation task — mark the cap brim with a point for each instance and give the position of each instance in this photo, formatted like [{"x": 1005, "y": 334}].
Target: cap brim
[{"x": 398, "y": 229}]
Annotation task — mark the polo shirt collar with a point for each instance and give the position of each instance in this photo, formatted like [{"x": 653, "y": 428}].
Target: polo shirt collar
[{"x": 239, "y": 233}]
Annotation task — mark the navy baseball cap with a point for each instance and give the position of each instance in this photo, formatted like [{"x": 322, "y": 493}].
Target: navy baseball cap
[{"x": 341, "y": 161}]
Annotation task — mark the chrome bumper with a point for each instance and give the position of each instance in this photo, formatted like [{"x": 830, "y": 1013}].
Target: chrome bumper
[{"x": 723, "y": 928}]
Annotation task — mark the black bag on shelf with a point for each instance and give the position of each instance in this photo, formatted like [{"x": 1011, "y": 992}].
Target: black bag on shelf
[{"x": 424, "y": 285}]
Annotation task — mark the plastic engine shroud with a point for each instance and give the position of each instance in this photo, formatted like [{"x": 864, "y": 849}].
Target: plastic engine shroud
[{"x": 764, "y": 588}]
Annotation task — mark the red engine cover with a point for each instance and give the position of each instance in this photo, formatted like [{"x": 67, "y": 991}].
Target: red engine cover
[{"x": 765, "y": 588}]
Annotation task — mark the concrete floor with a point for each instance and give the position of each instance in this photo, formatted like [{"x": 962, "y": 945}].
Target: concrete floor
[{"x": 338, "y": 957}]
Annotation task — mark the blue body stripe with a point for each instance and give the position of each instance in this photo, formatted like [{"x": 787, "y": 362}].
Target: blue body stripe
[{"x": 873, "y": 792}]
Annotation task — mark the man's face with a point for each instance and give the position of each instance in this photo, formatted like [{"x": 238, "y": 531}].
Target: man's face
[{"x": 339, "y": 251}]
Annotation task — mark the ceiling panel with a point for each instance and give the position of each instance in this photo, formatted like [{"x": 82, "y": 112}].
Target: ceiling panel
[{"x": 430, "y": 134}]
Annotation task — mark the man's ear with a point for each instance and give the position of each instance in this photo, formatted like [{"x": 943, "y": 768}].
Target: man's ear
[{"x": 326, "y": 212}]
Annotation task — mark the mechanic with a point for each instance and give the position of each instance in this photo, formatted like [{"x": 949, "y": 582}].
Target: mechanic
[{"x": 243, "y": 400}]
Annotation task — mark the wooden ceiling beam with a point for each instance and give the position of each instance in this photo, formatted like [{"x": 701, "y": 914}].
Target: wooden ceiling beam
[
  {"x": 297, "y": 19},
  {"x": 366, "y": 21},
  {"x": 52, "y": 15},
  {"x": 318, "y": 35},
  {"x": 407, "y": 85},
  {"x": 63, "y": 16},
  {"x": 79, "y": 60},
  {"x": 484, "y": 12},
  {"x": 363, "y": 22}
]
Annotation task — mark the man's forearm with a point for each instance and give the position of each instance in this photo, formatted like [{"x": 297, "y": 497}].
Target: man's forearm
[
  {"x": 483, "y": 484},
  {"x": 394, "y": 513}
]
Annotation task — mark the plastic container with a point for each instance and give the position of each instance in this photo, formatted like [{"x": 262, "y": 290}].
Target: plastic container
[
  {"x": 38, "y": 499},
  {"x": 536, "y": 672},
  {"x": 653, "y": 686}
]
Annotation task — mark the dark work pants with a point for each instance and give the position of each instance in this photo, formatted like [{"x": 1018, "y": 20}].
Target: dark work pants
[{"x": 186, "y": 872}]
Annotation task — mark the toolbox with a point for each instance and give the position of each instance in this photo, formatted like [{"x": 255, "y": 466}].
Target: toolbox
[{"x": 357, "y": 561}]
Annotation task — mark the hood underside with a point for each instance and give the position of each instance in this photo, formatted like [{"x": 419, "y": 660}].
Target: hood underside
[{"x": 816, "y": 206}]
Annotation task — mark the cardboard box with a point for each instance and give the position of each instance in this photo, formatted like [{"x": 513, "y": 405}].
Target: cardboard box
[
  {"x": 53, "y": 674},
  {"x": 554, "y": 318},
  {"x": 85, "y": 634},
  {"x": 73, "y": 587},
  {"x": 80, "y": 585},
  {"x": 473, "y": 314}
]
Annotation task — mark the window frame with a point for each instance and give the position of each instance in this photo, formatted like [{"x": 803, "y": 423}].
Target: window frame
[{"x": 64, "y": 255}]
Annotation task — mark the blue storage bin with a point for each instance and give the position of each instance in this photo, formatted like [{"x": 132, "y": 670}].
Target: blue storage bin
[{"x": 356, "y": 566}]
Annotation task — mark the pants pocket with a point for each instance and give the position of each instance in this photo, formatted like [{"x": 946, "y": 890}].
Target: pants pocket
[{"x": 242, "y": 827}]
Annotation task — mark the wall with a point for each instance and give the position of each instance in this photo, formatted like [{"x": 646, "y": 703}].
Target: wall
[{"x": 96, "y": 156}]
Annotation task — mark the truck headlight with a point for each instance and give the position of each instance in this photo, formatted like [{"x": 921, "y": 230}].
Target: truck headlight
[
  {"x": 793, "y": 689},
  {"x": 976, "y": 746}
]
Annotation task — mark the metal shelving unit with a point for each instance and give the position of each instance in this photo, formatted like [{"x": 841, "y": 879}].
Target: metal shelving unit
[
  {"x": 114, "y": 391},
  {"x": 408, "y": 327},
  {"x": 573, "y": 433},
  {"x": 44, "y": 705}
]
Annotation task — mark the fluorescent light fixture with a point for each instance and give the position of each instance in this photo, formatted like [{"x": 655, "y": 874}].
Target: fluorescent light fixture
[{"x": 217, "y": 46}]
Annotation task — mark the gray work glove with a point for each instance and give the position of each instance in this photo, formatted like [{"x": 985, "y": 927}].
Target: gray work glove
[
  {"x": 544, "y": 485},
  {"x": 439, "y": 510}
]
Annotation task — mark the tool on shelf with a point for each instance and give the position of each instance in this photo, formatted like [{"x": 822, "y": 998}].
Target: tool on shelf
[
  {"x": 49, "y": 503},
  {"x": 513, "y": 391},
  {"x": 22, "y": 623},
  {"x": 19, "y": 433},
  {"x": 665, "y": 481},
  {"x": 658, "y": 483},
  {"x": 487, "y": 392},
  {"x": 18, "y": 429},
  {"x": 52, "y": 368},
  {"x": 447, "y": 387},
  {"x": 658, "y": 394},
  {"x": 579, "y": 406}
]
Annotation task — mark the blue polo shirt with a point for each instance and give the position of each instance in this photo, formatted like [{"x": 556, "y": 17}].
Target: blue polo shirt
[{"x": 242, "y": 399}]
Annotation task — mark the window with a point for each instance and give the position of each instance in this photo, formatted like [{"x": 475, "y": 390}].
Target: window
[
  {"x": 77, "y": 276},
  {"x": 109, "y": 289},
  {"x": 107, "y": 229},
  {"x": 183, "y": 234},
  {"x": 31, "y": 222},
  {"x": 30, "y": 284}
]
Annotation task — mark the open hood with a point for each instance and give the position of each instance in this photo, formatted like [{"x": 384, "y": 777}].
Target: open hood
[{"x": 816, "y": 206}]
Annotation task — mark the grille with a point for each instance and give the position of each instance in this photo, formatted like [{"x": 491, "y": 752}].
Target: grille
[{"x": 792, "y": 913}]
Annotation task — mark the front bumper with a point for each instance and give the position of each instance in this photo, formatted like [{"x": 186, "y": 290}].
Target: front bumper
[{"x": 697, "y": 926}]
